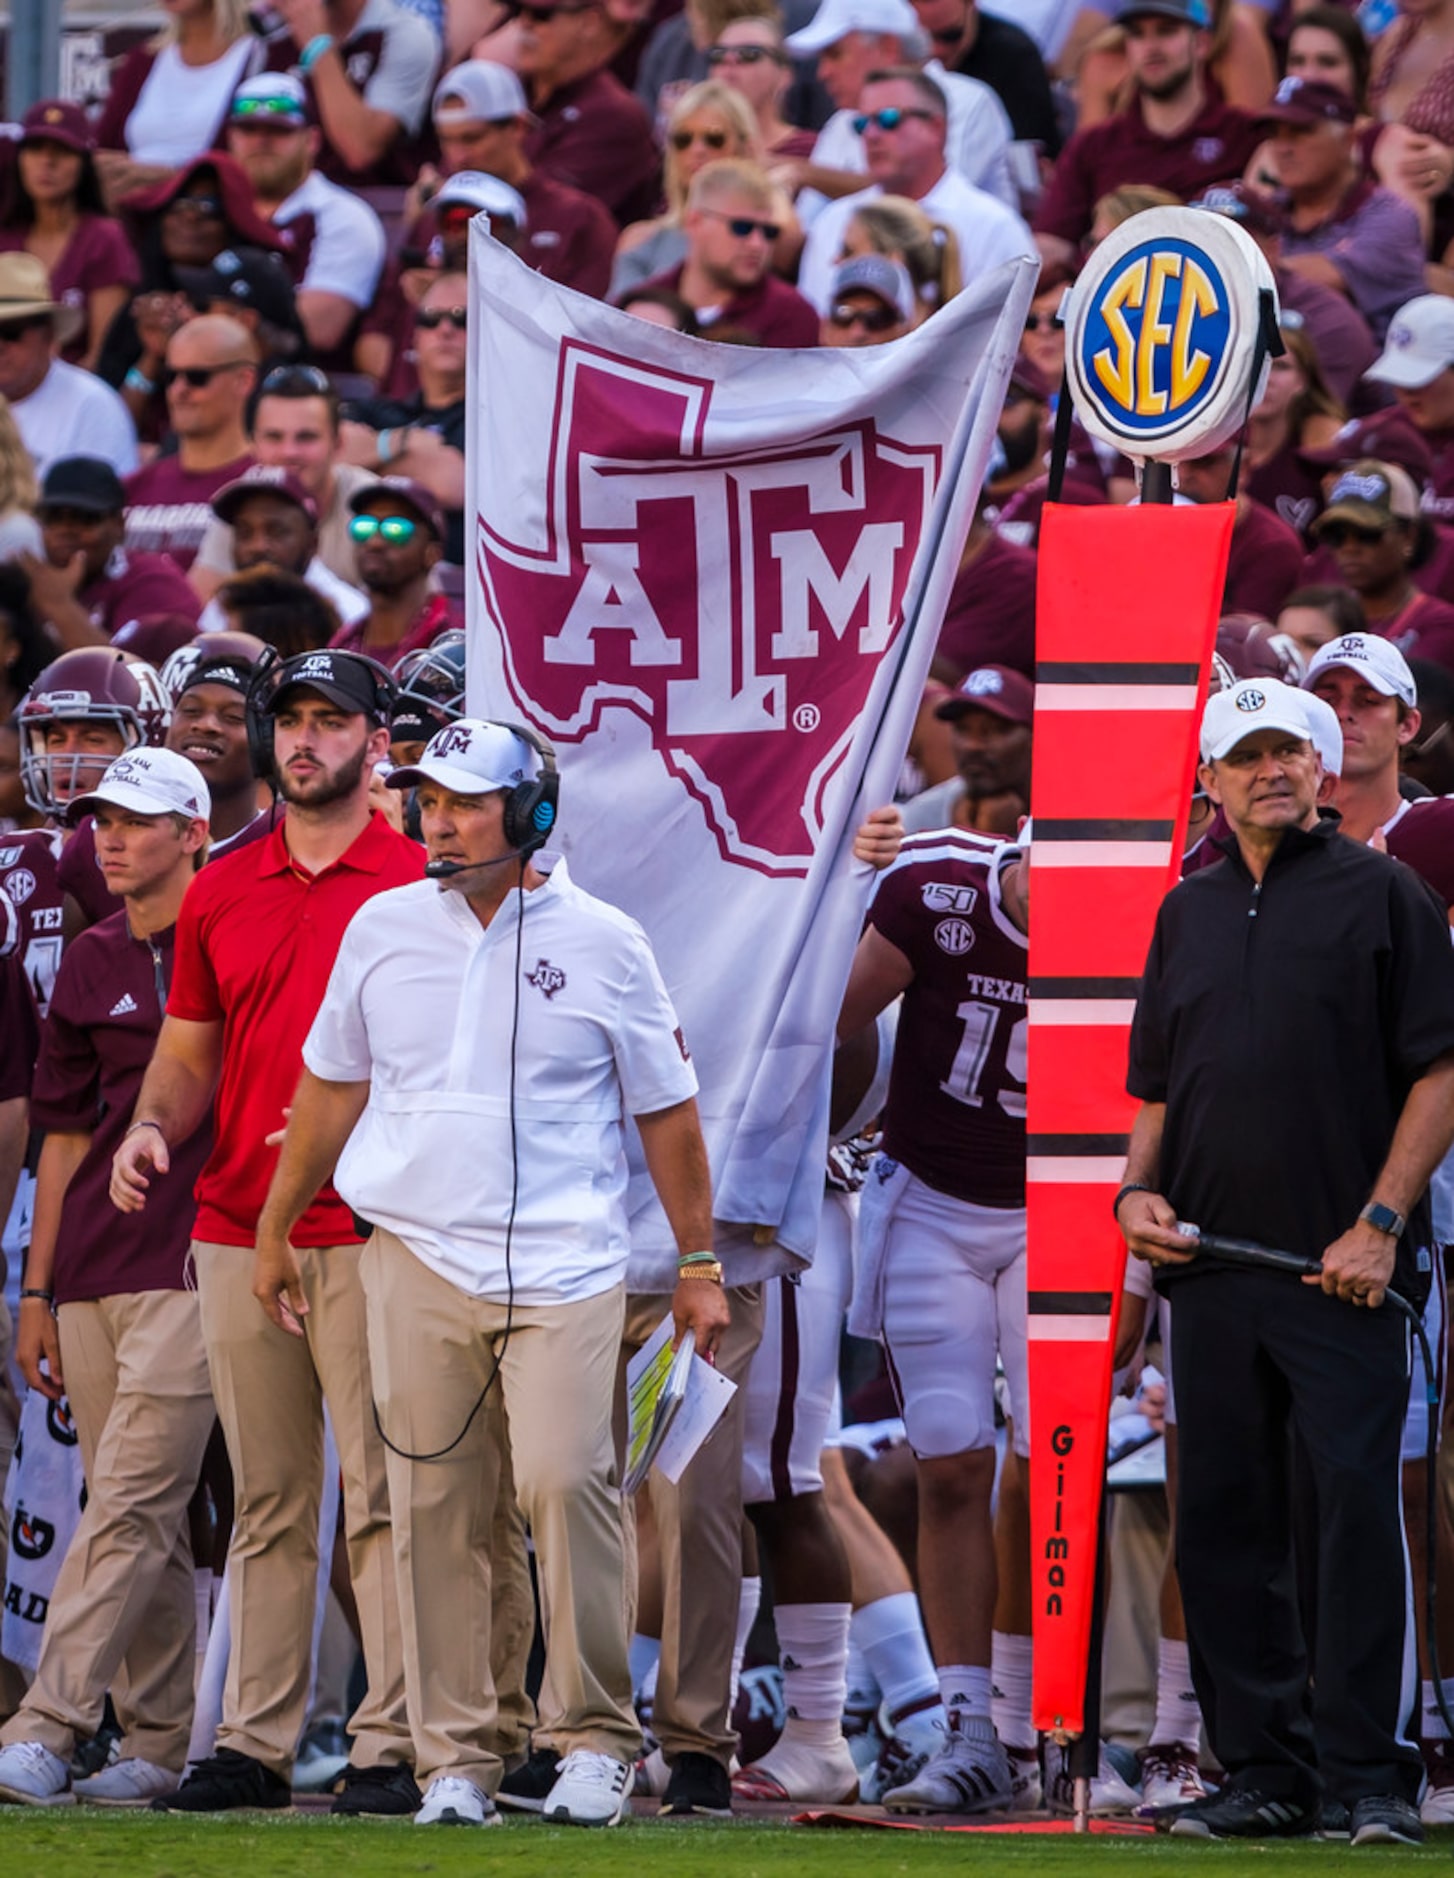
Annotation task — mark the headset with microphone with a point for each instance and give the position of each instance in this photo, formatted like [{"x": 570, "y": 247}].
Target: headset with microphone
[
  {"x": 302, "y": 669},
  {"x": 529, "y": 812}
]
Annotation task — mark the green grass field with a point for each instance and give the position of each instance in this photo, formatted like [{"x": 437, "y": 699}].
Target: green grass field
[{"x": 87, "y": 1845}]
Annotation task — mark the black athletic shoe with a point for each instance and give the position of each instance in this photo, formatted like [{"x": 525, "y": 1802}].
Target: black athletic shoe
[
  {"x": 698, "y": 1784},
  {"x": 1239, "y": 1813},
  {"x": 528, "y": 1788},
  {"x": 1385, "y": 1819},
  {"x": 223, "y": 1781},
  {"x": 388, "y": 1790},
  {"x": 1333, "y": 1820}
]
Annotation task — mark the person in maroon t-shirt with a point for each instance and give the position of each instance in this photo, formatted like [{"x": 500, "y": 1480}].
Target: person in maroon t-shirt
[
  {"x": 941, "y": 1255},
  {"x": 89, "y": 586},
  {"x": 726, "y": 278},
  {"x": 1417, "y": 363},
  {"x": 255, "y": 944},
  {"x": 1266, "y": 560},
  {"x": 1174, "y": 133},
  {"x": 108, "y": 1318}
]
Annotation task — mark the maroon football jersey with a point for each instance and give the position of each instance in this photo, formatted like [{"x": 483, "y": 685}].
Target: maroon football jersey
[
  {"x": 29, "y": 875},
  {"x": 1421, "y": 835},
  {"x": 955, "y": 1114}
]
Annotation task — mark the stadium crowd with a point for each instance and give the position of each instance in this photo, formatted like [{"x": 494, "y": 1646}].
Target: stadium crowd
[{"x": 233, "y": 330}]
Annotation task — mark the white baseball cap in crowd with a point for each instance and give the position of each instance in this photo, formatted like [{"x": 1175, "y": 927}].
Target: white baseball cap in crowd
[
  {"x": 149, "y": 782},
  {"x": 477, "y": 189},
  {"x": 479, "y": 91},
  {"x": 1420, "y": 343},
  {"x": 836, "y": 19},
  {"x": 471, "y": 757},
  {"x": 1377, "y": 661},
  {"x": 1254, "y": 704},
  {"x": 1325, "y": 731}
]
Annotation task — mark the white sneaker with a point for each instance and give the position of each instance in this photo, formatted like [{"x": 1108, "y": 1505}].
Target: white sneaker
[
  {"x": 969, "y": 1774},
  {"x": 801, "y": 1771},
  {"x": 905, "y": 1751},
  {"x": 1027, "y": 1791},
  {"x": 451, "y": 1801},
  {"x": 652, "y": 1774},
  {"x": 1170, "y": 1776},
  {"x": 30, "y": 1775},
  {"x": 126, "y": 1783},
  {"x": 1111, "y": 1796},
  {"x": 590, "y": 1790}
]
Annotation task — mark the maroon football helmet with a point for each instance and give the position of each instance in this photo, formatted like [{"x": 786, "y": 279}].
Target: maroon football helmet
[
  {"x": 92, "y": 685},
  {"x": 229, "y": 658}
]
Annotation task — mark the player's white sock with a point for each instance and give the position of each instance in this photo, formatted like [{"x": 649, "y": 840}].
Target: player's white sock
[
  {"x": 813, "y": 1651},
  {"x": 864, "y": 1694},
  {"x": 1011, "y": 1663},
  {"x": 964, "y": 1689},
  {"x": 645, "y": 1655},
  {"x": 1432, "y": 1726},
  {"x": 1178, "y": 1713},
  {"x": 749, "y": 1597},
  {"x": 890, "y": 1633}
]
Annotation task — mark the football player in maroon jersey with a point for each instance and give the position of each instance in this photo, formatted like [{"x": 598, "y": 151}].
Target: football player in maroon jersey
[{"x": 941, "y": 1274}]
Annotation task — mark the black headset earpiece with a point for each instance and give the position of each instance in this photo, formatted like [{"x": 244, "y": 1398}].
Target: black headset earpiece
[
  {"x": 259, "y": 720},
  {"x": 531, "y": 806}
]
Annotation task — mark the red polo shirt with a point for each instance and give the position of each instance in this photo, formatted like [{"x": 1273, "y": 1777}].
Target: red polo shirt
[{"x": 256, "y": 942}]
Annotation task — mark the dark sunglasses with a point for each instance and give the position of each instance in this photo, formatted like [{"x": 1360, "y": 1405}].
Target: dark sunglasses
[
  {"x": 431, "y": 316},
  {"x": 296, "y": 381},
  {"x": 13, "y": 331},
  {"x": 394, "y": 529},
  {"x": 873, "y": 319},
  {"x": 889, "y": 118},
  {"x": 713, "y": 139},
  {"x": 744, "y": 55},
  {"x": 1339, "y": 534},
  {"x": 198, "y": 376},
  {"x": 195, "y": 205},
  {"x": 744, "y": 225},
  {"x": 1041, "y": 322}
]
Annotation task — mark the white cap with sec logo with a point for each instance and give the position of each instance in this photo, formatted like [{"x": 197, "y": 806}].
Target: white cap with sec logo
[{"x": 1255, "y": 704}]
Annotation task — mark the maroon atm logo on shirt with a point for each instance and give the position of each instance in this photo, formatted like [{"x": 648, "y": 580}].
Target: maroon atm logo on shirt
[{"x": 739, "y": 605}]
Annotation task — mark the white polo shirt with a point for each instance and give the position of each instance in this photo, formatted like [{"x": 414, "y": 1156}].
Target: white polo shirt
[{"x": 421, "y": 1003}]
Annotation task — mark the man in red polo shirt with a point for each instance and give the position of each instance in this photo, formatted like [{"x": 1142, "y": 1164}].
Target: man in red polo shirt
[
  {"x": 255, "y": 944},
  {"x": 1173, "y": 133},
  {"x": 731, "y": 225}
]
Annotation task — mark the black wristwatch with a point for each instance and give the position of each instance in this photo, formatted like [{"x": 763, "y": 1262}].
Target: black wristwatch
[{"x": 1383, "y": 1219}]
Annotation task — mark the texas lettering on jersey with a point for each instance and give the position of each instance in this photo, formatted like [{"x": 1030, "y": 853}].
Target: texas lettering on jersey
[
  {"x": 30, "y": 883},
  {"x": 740, "y": 605},
  {"x": 955, "y": 1114}
]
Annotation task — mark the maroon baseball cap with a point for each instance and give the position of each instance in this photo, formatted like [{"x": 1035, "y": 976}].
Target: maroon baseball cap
[
  {"x": 1390, "y": 436},
  {"x": 996, "y": 689},
  {"x": 54, "y": 120},
  {"x": 262, "y": 479},
  {"x": 1309, "y": 101},
  {"x": 402, "y": 489}
]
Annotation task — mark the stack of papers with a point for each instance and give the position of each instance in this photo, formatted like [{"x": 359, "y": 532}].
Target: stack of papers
[{"x": 675, "y": 1400}]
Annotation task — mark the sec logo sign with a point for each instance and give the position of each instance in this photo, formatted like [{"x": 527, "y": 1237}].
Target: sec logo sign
[{"x": 1161, "y": 333}]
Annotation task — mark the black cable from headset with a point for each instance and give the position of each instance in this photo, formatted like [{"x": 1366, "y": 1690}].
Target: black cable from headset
[{"x": 439, "y": 1453}]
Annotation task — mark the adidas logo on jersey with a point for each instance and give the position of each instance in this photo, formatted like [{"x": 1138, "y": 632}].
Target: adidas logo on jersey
[{"x": 124, "y": 1005}]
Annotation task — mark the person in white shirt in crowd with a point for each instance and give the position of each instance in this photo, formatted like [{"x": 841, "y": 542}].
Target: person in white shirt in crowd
[
  {"x": 58, "y": 409},
  {"x": 903, "y": 117},
  {"x": 853, "y": 38},
  {"x": 338, "y": 243},
  {"x": 274, "y": 523},
  {"x": 493, "y": 1170}
]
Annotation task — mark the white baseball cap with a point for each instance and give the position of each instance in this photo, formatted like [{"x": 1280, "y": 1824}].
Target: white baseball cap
[
  {"x": 485, "y": 92},
  {"x": 471, "y": 757},
  {"x": 150, "y": 782},
  {"x": 1377, "y": 661},
  {"x": 1254, "y": 704},
  {"x": 1325, "y": 731},
  {"x": 836, "y": 19},
  {"x": 1420, "y": 343},
  {"x": 477, "y": 189}
]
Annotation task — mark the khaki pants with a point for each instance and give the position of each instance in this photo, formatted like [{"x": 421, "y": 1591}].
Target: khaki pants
[
  {"x": 699, "y": 1528},
  {"x": 123, "y": 1614},
  {"x": 434, "y": 1349},
  {"x": 270, "y": 1388}
]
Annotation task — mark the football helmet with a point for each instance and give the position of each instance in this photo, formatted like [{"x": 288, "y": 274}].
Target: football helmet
[
  {"x": 431, "y": 689},
  {"x": 94, "y": 685},
  {"x": 231, "y": 658}
]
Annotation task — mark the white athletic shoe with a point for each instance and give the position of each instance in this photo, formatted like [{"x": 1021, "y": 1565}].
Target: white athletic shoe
[
  {"x": 590, "y": 1790},
  {"x": 30, "y": 1775},
  {"x": 1111, "y": 1796},
  {"x": 452, "y": 1801},
  {"x": 1170, "y": 1776},
  {"x": 126, "y": 1783},
  {"x": 1437, "y": 1806},
  {"x": 801, "y": 1771},
  {"x": 969, "y": 1774},
  {"x": 905, "y": 1751},
  {"x": 651, "y": 1775}
]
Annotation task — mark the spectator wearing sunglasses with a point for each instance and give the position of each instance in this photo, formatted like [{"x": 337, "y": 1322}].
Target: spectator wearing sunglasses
[
  {"x": 750, "y": 58},
  {"x": 1378, "y": 535},
  {"x": 589, "y": 131},
  {"x": 210, "y": 372},
  {"x": 903, "y": 122},
  {"x": 335, "y": 242},
  {"x": 399, "y": 531},
  {"x": 707, "y": 123},
  {"x": 422, "y": 438},
  {"x": 58, "y": 409},
  {"x": 732, "y": 220},
  {"x": 873, "y": 302}
]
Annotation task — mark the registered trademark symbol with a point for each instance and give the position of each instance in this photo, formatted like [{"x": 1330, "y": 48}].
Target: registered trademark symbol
[{"x": 807, "y": 717}]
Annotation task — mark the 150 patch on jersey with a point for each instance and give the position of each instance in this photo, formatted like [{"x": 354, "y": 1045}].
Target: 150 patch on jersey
[{"x": 947, "y": 896}]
